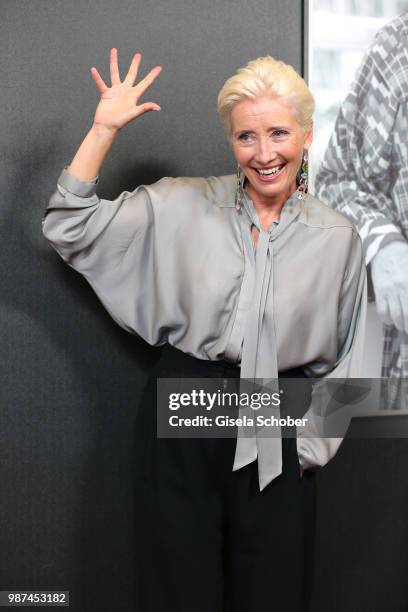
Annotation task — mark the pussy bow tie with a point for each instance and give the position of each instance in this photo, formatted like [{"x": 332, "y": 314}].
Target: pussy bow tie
[{"x": 259, "y": 362}]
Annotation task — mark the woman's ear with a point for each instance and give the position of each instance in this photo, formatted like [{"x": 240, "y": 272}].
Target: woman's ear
[{"x": 308, "y": 137}]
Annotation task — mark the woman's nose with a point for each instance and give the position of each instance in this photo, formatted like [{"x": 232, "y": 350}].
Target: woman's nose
[{"x": 265, "y": 153}]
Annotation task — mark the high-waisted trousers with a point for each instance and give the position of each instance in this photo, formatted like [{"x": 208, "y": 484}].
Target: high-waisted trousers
[{"x": 208, "y": 540}]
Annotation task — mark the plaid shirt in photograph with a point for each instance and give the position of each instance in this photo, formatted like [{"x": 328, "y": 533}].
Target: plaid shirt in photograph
[{"x": 364, "y": 173}]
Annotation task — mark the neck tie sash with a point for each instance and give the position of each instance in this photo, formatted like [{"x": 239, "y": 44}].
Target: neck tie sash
[{"x": 259, "y": 340}]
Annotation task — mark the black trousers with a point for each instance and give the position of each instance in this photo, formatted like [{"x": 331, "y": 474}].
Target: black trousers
[{"x": 207, "y": 539}]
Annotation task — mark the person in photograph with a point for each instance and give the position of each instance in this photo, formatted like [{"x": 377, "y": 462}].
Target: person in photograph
[
  {"x": 364, "y": 175},
  {"x": 244, "y": 276}
]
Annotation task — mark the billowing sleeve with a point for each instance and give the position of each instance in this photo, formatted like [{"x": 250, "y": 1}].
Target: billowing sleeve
[
  {"x": 111, "y": 243},
  {"x": 364, "y": 173},
  {"x": 332, "y": 399}
]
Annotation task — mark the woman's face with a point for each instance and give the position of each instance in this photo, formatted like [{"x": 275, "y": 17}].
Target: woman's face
[{"x": 268, "y": 144}]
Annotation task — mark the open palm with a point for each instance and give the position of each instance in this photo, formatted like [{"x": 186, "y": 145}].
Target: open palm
[{"x": 119, "y": 103}]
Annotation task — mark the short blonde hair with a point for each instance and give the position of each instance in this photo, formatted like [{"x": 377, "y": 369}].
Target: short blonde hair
[{"x": 267, "y": 75}]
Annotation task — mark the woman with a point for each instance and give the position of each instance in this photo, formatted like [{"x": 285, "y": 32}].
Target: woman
[{"x": 241, "y": 277}]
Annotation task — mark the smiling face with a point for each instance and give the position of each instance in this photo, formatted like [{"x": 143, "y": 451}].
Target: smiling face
[{"x": 268, "y": 143}]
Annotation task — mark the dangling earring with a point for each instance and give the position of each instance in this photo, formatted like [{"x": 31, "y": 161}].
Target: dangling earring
[
  {"x": 303, "y": 179},
  {"x": 239, "y": 191}
]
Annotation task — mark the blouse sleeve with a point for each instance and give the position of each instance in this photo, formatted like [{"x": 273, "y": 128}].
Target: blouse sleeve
[
  {"x": 325, "y": 413},
  {"x": 110, "y": 244}
]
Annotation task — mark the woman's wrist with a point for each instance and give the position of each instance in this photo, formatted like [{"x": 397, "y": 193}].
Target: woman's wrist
[
  {"x": 92, "y": 152},
  {"x": 103, "y": 131}
]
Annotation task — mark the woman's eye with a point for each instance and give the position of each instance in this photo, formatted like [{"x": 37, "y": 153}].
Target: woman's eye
[
  {"x": 279, "y": 133},
  {"x": 244, "y": 137}
]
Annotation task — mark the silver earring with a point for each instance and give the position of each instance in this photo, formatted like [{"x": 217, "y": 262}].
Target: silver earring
[
  {"x": 303, "y": 179},
  {"x": 239, "y": 191}
]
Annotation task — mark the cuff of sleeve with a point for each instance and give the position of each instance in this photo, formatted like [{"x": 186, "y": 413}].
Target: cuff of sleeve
[
  {"x": 316, "y": 452},
  {"x": 304, "y": 461},
  {"x": 83, "y": 189}
]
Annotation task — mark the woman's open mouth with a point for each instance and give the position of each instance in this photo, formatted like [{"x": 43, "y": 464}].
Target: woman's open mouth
[{"x": 268, "y": 175}]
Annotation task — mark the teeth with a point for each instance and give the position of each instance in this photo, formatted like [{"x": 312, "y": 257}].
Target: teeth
[{"x": 270, "y": 171}]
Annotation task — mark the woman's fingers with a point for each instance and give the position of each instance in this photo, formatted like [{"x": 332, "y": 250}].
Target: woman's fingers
[
  {"x": 149, "y": 106},
  {"x": 137, "y": 111},
  {"x": 148, "y": 80},
  {"x": 133, "y": 70},
  {"x": 100, "y": 83},
  {"x": 143, "y": 108},
  {"x": 114, "y": 68},
  {"x": 132, "y": 73}
]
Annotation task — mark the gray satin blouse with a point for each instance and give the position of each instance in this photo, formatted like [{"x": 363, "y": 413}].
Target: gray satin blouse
[{"x": 175, "y": 262}]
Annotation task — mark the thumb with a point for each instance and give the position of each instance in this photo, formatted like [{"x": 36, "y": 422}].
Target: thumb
[{"x": 148, "y": 106}]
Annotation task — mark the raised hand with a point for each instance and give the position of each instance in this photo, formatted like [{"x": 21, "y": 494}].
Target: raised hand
[{"x": 119, "y": 102}]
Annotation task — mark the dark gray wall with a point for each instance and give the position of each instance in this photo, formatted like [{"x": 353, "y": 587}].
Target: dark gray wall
[{"x": 71, "y": 379}]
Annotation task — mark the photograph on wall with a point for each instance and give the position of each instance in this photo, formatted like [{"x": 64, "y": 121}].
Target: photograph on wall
[{"x": 358, "y": 70}]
